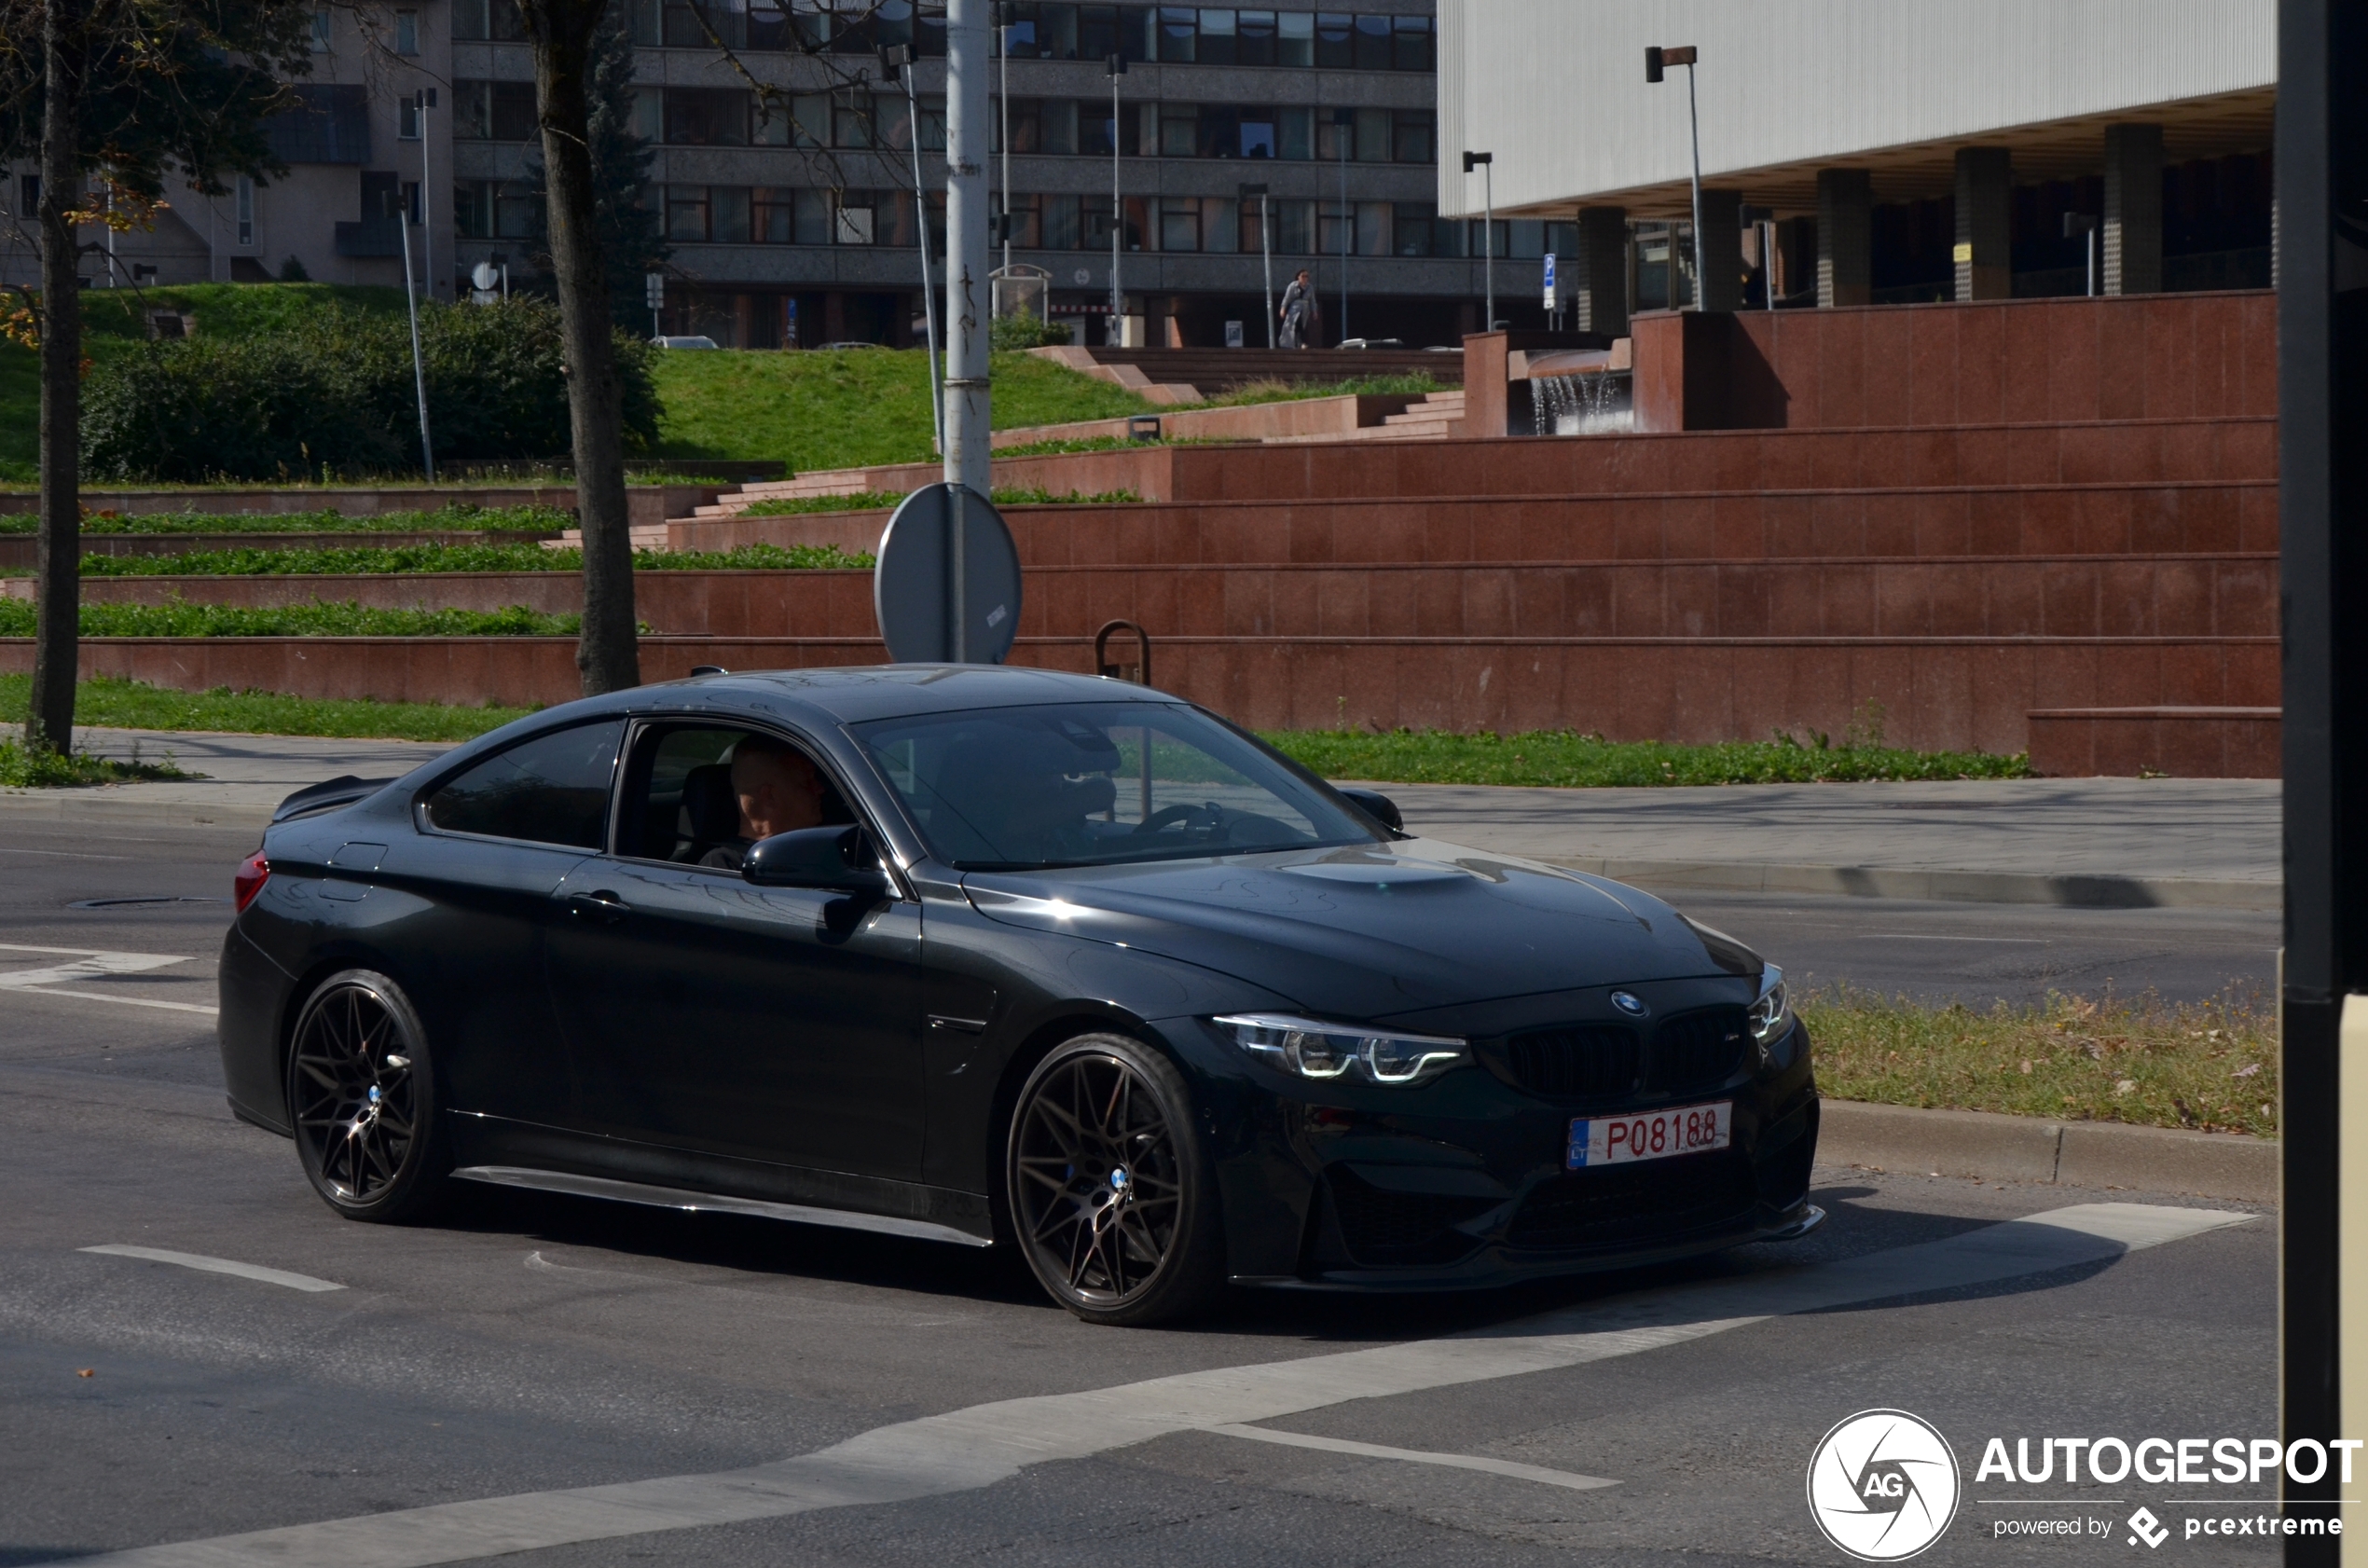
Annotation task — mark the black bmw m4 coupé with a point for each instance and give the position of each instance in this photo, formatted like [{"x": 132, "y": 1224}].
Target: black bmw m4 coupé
[{"x": 1004, "y": 958}]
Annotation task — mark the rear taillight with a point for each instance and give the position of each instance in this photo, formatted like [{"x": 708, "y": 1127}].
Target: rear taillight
[{"x": 250, "y": 880}]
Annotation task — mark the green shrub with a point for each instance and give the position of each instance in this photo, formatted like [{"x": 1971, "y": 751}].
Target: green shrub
[
  {"x": 1012, "y": 334},
  {"x": 333, "y": 396}
]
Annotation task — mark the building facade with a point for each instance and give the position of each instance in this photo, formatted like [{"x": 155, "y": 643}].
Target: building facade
[
  {"x": 370, "y": 141},
  {"x": 1860, "y": 154},
  {"x": 786, "y": 176}
]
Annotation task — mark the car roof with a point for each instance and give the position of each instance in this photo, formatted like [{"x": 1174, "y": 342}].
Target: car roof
[{"x": 852, "y": 694}]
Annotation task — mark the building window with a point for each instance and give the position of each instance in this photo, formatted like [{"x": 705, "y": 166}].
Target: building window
[
  {"x": 322, "y": 30},
  {"x": 1335, "y": 233},
  {"x": 244, "y": 197},
  {"x": 1295, "y": 227},
  {"x": 1373, "y": 136},
  {"x": 686, "y": 213},
  {"x": 407, "y": 31},
  {"x": 1294, "y": 39},
  {"x": 1258, "y": 133},
  {"x": 854, "y": 225},
  {"x": 1295, "y": 132},
  {"x": 1022, "y": 227},
  {"x": 1412, "y": 135},
  {"x": 1179, "y": 224},
  {"x": 707, "y": 116},
  {"x": 1062, "y": 227},
  {"x": 518, "y": 212},
  {"x": 411, "y": 202},
  {"x": 406, "y": 117},
  {"x": 1335, "y": 41},
  {"x": 1057, "y": 126},
  {"x": 1254, "y": 38},
  {"x": 1372, "y": 43},
  {"x": 1178, "y": 31},
  {"x": 493, "y": 110},
  {"x": 649, "y": 113},
  {"x": 1179, "y": 129},
  {"x": 1410, "y": 45},
  {"x": 28, "y": 196},
  {"x": 728, "y": 214},
  {"x": 854, "y": 121}
]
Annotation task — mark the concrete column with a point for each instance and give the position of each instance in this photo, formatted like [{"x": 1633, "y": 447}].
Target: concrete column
[
  {"x": 2131, "y": 261},
  {"x": 1985, "y": 223},
  {"x": 1845, "y": 237},
  {"x": 1599, "y": 273},
  {"x": 1721, "y": 250}
]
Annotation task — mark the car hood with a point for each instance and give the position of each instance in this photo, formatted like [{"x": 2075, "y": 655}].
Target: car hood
[{"x": 1369, "y": 931}]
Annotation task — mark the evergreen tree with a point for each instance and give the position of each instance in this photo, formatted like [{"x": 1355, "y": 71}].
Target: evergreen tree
[{"x": 632, "y": 236}]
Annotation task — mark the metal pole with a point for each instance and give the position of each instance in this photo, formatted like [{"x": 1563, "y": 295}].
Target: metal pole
[
  {"x": 968, "y": 419},
  {"x": 1344, "y": 121},
  {"x": 419, "y": 373},
  {"x": 1003, "y": 47},
  {"x": 1266, "y": 264},
  {"x": 1488, "y": 239},
  {"x": 427, "y": 197},
  {"x": 1116, "y": 66},
  {"x": 900, "y": 60},
  {"x": 2092, "y": 263},
  {"x": 1693, "y": 122}
]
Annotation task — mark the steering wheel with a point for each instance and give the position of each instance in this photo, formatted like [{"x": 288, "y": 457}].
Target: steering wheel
[{"x": 1165, "y": 817}]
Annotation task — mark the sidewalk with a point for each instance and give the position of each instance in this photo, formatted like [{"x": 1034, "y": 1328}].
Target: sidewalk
[
  {"x": 2115, "y": 842},
  {"x": 2123, "y": 843}
]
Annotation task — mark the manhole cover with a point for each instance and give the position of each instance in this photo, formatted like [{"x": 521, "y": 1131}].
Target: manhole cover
[{"x": 148, "y": 903}]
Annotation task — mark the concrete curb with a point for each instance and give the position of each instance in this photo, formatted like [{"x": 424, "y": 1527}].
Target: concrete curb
[
  {"x": 1995, "y": 1148},
  {"x": 1948, "y": 886}
]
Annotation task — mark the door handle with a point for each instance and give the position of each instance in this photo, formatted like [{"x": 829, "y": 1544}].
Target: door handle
[{"x": 602, "y": 906}]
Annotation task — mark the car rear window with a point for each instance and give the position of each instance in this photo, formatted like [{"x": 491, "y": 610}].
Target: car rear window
[{"x": 552, "y": 789}]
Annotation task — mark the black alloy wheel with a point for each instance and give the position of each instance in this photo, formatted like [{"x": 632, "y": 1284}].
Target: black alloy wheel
[
  {"x": 361, "y": 1097},
  {"x": 1112, "y": 1199}
]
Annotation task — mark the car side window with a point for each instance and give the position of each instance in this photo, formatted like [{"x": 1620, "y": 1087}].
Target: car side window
[
  {"x": 553, "y": 789},
  {"x": 680, "y": 804}
]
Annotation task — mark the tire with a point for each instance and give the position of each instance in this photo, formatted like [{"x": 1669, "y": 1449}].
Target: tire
[
  {"x": 362, "y": 1097},
  {"x": 1111, "y": 1198}
]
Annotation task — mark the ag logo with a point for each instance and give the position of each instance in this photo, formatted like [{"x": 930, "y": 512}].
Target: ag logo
[{"x": 1883, "y": 1485}]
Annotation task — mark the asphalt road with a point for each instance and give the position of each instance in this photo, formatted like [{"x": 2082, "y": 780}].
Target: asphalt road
[{"x": 529, "y": 1345}]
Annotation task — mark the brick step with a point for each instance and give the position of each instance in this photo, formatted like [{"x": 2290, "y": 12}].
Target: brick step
[
  {"x": 2005, "y": 521},
  {"x": 2180, "y": 742},
  {"x": 21, "y": 551},
  {"x": 2153, "y": 597},
  {"x": 1935, "y": 693},
  {"x": 2121, "y": 451}
]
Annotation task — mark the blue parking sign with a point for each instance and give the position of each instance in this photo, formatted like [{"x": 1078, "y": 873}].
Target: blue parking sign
[{"x": 1550, "y": 280}]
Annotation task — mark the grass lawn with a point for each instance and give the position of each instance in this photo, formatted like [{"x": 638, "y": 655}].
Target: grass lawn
[
  {"x": 2210, "y": 1065},
  {"x": 294, "y": 620},
  {"x": 848, "y": 407},
  {"x": 461, "y": 558},
  {"x": 21, "y": 769},
  {"x": 459, "y": 517},
  {"x": 131, "y": 706},
  {"x": 1562, "y": 758},
  {"x": 115, "y": 321}
]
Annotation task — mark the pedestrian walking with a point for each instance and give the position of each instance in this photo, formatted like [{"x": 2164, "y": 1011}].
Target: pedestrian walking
[{"x": 1302, "y": 313}]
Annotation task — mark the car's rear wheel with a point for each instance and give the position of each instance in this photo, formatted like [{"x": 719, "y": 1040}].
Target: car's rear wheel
[
  {"x": 1112, "y": 1201},
  {"x": 362, "y": 1094}
]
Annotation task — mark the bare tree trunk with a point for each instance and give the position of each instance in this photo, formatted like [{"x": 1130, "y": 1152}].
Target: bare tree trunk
[
  {"x": 57, "y": 623},
  {"x": 607, "y": 653}
]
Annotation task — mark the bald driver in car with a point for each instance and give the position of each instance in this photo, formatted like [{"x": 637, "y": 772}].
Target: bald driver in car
[{"x": 779, "y": 790}]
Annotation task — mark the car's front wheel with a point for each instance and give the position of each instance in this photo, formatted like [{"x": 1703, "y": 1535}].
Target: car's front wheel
[
  {"x": 362, "y": 1094},
  {"x": 1113, "y": 1199}
]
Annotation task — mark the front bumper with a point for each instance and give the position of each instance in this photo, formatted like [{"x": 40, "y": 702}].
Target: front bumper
[{"x": 1462, "y": 1184}]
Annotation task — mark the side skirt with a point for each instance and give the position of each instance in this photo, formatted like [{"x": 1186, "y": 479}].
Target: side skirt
[{"x": 679, "y": 1198}]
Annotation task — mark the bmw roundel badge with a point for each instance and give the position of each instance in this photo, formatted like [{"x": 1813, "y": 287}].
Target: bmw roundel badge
[{"x": 1628, "y": 1004}]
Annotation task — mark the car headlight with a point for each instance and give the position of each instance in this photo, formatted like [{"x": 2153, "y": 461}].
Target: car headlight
[
  {"x": 1770, "y": 1014},
  {"x": 1312, "y": 1048}
]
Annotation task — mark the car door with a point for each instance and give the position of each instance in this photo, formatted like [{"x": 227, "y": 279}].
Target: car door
[
  {"x": 461, "y": 907},
  {"x": 709, "y": 1015}
]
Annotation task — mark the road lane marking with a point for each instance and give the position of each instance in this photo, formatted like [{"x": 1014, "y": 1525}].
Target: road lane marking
[
  {"x": 1416, "y": 1457},
  {"x": 215, "y": 1266},
  {"x": 967, "y": 1449},
  {"x": 95, "y": 964}
]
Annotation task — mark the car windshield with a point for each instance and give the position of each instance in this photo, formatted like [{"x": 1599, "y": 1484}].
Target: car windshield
[{"x": 1014, "y": 789}]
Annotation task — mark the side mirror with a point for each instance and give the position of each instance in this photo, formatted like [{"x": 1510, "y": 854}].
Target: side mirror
[
  {"x": 1379, "y": 806},
  {"x": 835, "y": 860}
]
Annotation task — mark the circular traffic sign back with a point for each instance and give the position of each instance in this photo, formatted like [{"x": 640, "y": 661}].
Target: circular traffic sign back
[{"x": 947, "y": 588}]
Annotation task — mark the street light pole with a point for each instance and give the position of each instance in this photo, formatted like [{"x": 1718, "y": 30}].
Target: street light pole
[
  {"x": 1345, "y": 127},
  {"x": 2085, "y": 225},
  {"x": 1487, "y": 163},
  {"x": 1266, "y": 255},
  {"x": 1656, "y": 57},
  {"x": 968, "y": 309},
  {"x": 897, "y": 61},
  {"x": 1114, "y": 66},
  {"x": 1003, "y": 46}
]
